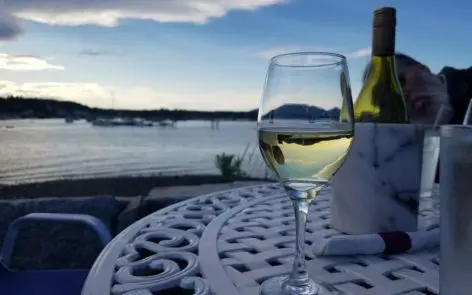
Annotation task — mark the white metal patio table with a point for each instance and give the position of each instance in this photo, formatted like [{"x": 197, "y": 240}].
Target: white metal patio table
[{"x": 229, "y": 242}]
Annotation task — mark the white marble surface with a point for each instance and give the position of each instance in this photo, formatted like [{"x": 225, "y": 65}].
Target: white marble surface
[{"x": 376, "y": 189}]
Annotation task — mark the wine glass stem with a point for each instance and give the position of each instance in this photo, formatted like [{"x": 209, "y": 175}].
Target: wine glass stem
[{"x": 299, "y": 276}]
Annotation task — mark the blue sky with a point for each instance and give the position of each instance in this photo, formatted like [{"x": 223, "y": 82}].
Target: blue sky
[{"x": 206, "y": 54}]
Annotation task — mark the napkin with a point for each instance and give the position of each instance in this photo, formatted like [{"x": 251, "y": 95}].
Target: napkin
[{"x": 380, "y": 243}]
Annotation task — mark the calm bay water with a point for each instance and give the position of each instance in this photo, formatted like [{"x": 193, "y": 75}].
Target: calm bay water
[{"x": 40, "y": 150}]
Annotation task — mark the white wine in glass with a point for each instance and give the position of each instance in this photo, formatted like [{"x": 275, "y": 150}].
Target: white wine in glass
[{"x": 305, "y": 129}]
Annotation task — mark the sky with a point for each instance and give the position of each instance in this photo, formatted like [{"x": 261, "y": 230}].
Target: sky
[{"x": 202, "y": 54}]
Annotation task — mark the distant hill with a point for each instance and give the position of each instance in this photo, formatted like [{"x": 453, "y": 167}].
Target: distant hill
[
  {"x": 301, "y": 111},
  {"x": 21, "y": 107}
]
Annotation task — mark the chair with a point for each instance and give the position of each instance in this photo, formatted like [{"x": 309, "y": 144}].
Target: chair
[{"x": 45, "y": 282}]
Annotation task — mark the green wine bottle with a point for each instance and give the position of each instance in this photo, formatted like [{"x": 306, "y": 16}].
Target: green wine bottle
[{"x": 381, "y": 98}]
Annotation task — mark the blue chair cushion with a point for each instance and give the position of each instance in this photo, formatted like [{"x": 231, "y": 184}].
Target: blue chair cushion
[{"x": 44, "y": 282}]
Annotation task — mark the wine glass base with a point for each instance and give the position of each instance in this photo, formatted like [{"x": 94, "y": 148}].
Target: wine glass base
[{"x": 276, "y": 286}]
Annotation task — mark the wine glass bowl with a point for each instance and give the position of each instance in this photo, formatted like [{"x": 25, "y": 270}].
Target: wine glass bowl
[
  {"x": 305, "y": 129},
  {"x": 302, "y": 135}
]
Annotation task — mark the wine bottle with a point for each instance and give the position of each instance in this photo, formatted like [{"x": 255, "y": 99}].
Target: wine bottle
[{"x": 381, "y": 98}]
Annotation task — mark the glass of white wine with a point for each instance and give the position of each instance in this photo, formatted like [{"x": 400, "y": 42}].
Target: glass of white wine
[{"x": 305, "y": 128}]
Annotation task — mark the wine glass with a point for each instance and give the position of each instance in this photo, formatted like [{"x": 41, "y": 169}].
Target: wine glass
[{"x": 305, "y": 128}]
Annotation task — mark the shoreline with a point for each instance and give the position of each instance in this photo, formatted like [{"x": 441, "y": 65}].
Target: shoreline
[{"x": 121, "y": 186}]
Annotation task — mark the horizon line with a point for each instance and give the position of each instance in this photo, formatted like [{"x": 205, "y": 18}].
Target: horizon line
[{"x": 117, "y": 109}]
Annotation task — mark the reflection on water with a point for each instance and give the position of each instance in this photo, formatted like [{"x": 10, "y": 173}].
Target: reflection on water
[{"x": 38, "y": 150}]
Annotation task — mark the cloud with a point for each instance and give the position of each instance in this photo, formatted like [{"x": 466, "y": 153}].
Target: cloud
[
  {"x": 271, "y": 52},
  {"x": 73, "y": 91},
  {"x": 110, "y": 12},
  {"x": 95, "y": 52},
  {"x": 97, "y": 95},
  {"x": 92, "y": 94},
  {"x": 25, "y": 63},
  {"x": 10, "y": 26},
  {"x": 359, "y": 53}
]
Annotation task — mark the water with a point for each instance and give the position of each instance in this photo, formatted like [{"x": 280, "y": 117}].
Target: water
[
  {"x": 430, "y": 162},
  {"x": 41, "y": 150}
]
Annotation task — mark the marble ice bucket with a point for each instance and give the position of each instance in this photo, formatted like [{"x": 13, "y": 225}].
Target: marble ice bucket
[{"x": 377, "y": 187}]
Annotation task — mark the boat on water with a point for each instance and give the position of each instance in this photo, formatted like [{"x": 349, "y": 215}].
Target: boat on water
[
  {"x": 167, "y": 123},
  {"x": 117, "y": 122}
]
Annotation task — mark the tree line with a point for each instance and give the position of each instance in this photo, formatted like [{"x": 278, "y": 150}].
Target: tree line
[{"x": 25, "y": 107}]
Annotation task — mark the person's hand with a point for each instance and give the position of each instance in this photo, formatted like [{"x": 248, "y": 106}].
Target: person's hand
[{"x": 425, "y": 93}]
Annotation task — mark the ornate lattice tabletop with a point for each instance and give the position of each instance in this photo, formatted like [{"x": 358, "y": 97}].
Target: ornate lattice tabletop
[{"x": 229, "y": 242}]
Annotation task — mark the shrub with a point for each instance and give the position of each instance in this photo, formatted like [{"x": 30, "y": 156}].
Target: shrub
[{"x": 229, "y": 166}]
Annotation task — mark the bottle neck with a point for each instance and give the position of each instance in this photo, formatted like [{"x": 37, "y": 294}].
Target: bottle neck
[
  {"x": 383, "y": 41},
  {"x": 382, "y": 66},
  {"x": 387, "y": 94}
]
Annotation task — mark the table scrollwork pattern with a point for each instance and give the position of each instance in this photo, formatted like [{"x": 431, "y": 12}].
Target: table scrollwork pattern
[
  {"x": 163, "y": 252},
  {"x": 229, "y": 242}
]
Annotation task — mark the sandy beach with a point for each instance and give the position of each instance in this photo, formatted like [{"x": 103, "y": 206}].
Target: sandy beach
[{"x": 168, "y": 186}]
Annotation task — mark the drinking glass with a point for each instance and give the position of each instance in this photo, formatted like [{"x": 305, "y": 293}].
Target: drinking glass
[
  {"x": 431, "y": 144},
  {"x": 455, "y": 206},
  {"x": 431, "y": 151},
  {"x": 305, "y": 128},
  {"x": 467, "y": 117}
]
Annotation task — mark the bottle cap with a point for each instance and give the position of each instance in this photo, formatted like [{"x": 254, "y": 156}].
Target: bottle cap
[{"x": 385, "y": 16}]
